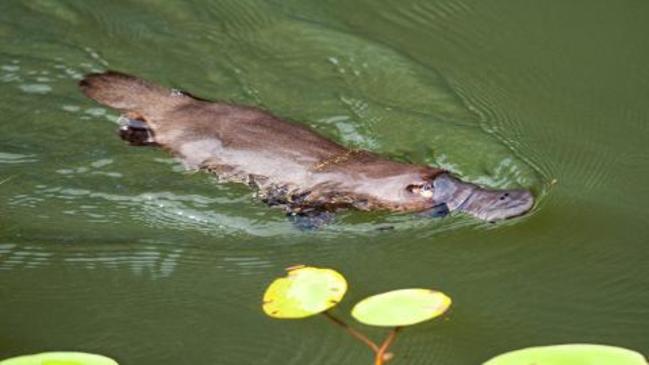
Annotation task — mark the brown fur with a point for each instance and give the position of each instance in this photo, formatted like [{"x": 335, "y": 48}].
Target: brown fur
[{"x": 246, "y": 144}]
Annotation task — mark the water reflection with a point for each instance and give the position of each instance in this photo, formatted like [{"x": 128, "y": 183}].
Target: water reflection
[{"x": 149, "y": 258}]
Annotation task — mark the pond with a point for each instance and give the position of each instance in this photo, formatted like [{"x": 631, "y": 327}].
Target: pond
[{"x": 117, "y": 250}]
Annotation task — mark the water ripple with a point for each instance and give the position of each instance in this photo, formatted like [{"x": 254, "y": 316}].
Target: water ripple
[{"x": 16, "y": 158}]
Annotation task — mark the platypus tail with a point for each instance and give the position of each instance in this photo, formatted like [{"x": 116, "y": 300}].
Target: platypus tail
[{"x": 127, "y": 93}]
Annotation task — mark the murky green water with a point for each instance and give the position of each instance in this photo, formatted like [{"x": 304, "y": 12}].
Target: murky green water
[{"x": 113, "y": 249}]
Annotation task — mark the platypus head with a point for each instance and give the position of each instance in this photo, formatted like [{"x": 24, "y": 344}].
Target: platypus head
[{"x": 486, "y": 204}]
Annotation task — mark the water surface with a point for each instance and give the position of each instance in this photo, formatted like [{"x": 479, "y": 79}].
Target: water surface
[{"x": 114, "y": 249}]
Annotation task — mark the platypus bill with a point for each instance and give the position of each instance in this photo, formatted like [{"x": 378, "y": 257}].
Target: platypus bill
[{"x": 289, "y": 164}]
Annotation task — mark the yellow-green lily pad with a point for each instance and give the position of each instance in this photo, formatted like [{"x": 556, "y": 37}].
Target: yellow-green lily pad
[
  {"x": 570, "y": 354},
  {"x": 401, "y": 307},
  {"x": 60, "y": 358},
  {"x": 303, "y": 292}
]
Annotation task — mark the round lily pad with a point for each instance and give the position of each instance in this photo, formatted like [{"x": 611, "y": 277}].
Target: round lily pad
[
  {"x": 303, "y": 292},
  {"x": 60, "y": 358},
  {"x": 573, "y": 354},
  {"x": 401, "y": 307}
]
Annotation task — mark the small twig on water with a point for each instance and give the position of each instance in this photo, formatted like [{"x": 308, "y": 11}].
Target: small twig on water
[
  {"x": 7, "y": 179},
  {"x": 353, "y": 332}
]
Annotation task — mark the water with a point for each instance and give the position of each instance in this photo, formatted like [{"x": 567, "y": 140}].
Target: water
[{"x": 113, "y": 249}]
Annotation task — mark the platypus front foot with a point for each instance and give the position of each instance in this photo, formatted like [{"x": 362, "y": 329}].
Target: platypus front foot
[
  {"x": 311, "y": 220},
  {"x": 135, "y": 131}
]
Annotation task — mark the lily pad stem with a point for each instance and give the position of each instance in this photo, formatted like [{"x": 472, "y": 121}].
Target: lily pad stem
[
  {"x": 382, "y": 356},
  {"x": 359, "y": 336}
]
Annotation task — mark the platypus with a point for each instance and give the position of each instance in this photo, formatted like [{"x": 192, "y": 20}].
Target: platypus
[{"x": 288, "y": 164}]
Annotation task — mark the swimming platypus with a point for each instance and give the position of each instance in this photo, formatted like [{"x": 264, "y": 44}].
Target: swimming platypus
[{"x": 289, "y": 164}]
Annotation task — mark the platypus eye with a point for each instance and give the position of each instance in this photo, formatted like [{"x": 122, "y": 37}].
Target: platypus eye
[
  {"x": 425, "y": 189},
  {"x": 413, "y": 188}
]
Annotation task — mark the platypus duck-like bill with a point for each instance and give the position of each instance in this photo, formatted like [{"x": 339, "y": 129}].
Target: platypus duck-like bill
[
  {"x": 483, "y": 203},
  {"x": 289, "y": 164}
]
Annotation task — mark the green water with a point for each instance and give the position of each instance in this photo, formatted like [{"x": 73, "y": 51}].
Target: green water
[{"x": 114, "y": 249}]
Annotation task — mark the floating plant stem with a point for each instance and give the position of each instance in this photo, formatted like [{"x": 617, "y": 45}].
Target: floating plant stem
[
  {"x": 383, "y": 356},
  {"x": 354, "y": 333}
]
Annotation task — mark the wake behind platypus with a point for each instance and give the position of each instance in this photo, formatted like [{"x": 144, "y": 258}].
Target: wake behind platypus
[{"x": 291, "y": 166}]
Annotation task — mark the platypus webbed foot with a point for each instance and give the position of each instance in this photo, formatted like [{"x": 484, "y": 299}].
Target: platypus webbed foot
[
  {"x": 311, "y": 220},
  {"x": 135, "y": 131}
]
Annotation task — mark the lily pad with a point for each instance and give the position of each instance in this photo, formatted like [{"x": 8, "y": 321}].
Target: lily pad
[
  {"x": 60, "y": 358},
  {"x": 305, "y": 291},
  {"x": 401, "y": 307},
  {"x": 572, "y": 354}
]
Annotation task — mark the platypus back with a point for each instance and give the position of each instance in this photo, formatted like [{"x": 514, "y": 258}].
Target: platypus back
[{"x": 240, "y": 143}]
